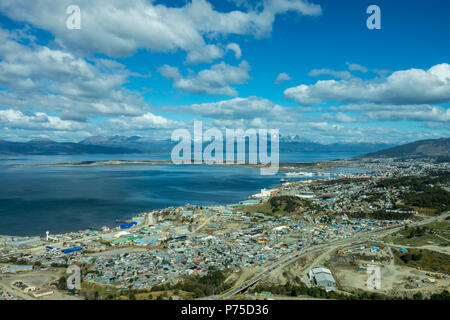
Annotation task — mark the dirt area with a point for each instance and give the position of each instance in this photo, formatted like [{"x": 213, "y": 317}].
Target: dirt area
[
  {"x": 396, "y": 279},
  {"x": 41, "y": 279},
  {"x": 349, "y": 267}
]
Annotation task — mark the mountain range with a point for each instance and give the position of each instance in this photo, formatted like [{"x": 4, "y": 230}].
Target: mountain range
[
  {"x": 49, "y": 147},
  {"x": 435, "y": 148},
  {"x": 287, "y": 144},
  {"x": 135, "y": 144}
]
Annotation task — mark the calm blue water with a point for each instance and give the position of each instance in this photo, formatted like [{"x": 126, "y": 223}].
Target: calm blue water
[{"x": 62, "y": 199}]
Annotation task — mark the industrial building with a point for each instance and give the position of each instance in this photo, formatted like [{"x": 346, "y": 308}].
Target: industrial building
[
  {"x": 71, "y": 250},
  {"x": 42, "y": 293},
  {"x": 322, "y": 277},
  {"x": 128, "y": 225},
  {"x": 24, "y": 287}
]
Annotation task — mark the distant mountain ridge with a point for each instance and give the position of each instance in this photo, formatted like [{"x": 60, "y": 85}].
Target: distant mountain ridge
[
  {"x": 49, "y": 147},
  {"x": 423, "y": 148},
  {"x": 287, "y": 144},
  {"x": 135, "y": 144}
]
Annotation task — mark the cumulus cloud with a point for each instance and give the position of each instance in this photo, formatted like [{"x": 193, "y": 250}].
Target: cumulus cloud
[
  {"x": 211, "y": 52},
  {"x": 413, "y": 86},
  {"x": 52, "y": 80},
  {"x": 17, "y": 125},
  {"x": 207, "y": 53},
  {"x": 238, "y": 108},
  {"x": 282, "y": 77},
  {"x": 143, "y": 122},
  {"x": 119, "y": 27},
  {"x": 216, "y": 80},
  {"x": 14, "y": 119}
]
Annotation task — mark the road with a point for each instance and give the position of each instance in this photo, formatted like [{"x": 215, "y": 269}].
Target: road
[{"x": 357, "y": 238}]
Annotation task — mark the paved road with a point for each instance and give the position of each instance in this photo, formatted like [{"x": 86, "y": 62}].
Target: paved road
[{"x": 357, "y": 238}]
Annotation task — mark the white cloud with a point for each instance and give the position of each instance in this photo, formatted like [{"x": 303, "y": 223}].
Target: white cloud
[
  {"x": 356, "y": 67},
  {"x": 207, "y": 53},
  {"x": 432, "y": 114},
  {"x": 282, "y": 77},
  {"x": 381, "y": 112},
  {"x": 249, "y": 108},
  {"x": 119, "y": 27},
  {"x": 216, "y": 80},
  {"x": 51, "y": 80},
  {"x": 413, "y": 86},
  {"x": 342, "y": 117},
  {"x": 17, "y": 125},
  {"x": 169, "y": 72},
  {"x": 146, "y": 121},
  {"x": 13, "y": 119}
]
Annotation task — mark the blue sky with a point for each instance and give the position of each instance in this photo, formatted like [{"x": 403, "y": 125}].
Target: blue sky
[{"x": 149, "y": 67}]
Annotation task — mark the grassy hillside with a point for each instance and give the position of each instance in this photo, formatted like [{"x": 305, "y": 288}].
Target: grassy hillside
[
  {"x": 280, "y": 206},
  {"x": 423, "y": 148}
]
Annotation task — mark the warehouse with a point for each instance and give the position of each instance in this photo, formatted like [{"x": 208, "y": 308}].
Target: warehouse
[
  {"x": 322, "y": 277},
  {"x": 42, "y": 293},
  {"x": 24, "y": 287},
  {"x": 128, "y": 225},
  {"x": 71, "y": 250}
]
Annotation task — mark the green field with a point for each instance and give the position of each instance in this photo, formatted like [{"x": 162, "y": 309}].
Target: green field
[
  {"x": 432, "y": 233},
  {"x": 280, "y": 206}
]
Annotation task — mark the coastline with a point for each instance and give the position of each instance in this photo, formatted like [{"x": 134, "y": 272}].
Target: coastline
[
  {"x": 284, "y": 167},
  {"x": 133, "y": 215}
]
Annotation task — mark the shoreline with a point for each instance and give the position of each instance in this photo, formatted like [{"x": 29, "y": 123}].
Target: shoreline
[
  {"x": 282, "y": 166},
  {"x": 286, "y": 166}
]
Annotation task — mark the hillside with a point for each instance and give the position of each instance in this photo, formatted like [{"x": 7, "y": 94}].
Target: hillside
[{"x": 435, "y": 148}]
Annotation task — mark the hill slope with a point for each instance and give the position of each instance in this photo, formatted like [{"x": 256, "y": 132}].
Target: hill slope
[{"x": 423, "y": 148}]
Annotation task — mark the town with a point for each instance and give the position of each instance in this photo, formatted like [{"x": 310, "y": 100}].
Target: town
[{"x": 322, "y": 233}]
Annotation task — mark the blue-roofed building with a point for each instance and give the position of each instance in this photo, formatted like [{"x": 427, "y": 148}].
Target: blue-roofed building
[
  {"x": 128, "y": 225},
  {"x": 71, "y": 250}
]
